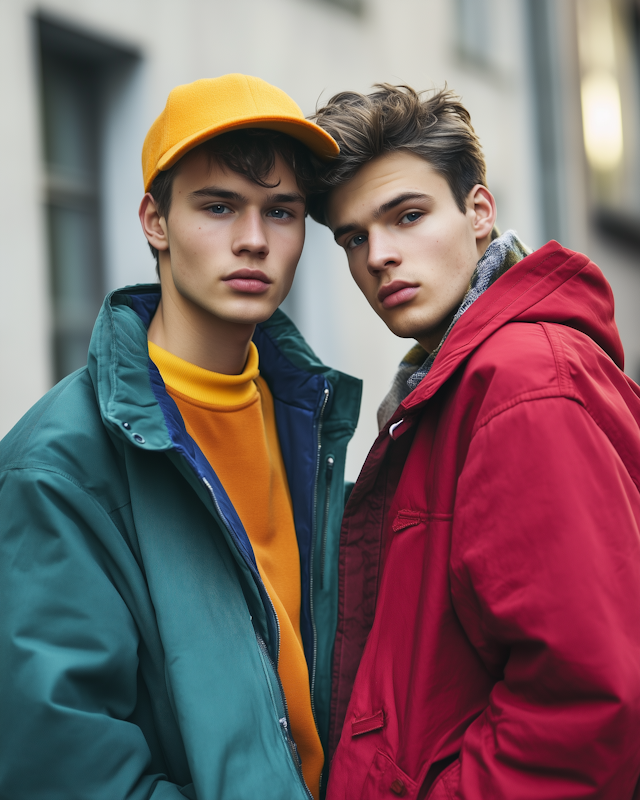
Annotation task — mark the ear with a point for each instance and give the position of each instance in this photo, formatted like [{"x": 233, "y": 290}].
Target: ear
[
  {"x": 482, "y": 205},
  {"x": 153, "y": 225}
]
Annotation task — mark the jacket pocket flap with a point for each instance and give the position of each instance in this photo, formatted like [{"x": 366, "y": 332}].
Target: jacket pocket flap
[
  {"x": 367, "y": 724},
  {"x": 407, "y": 519}
]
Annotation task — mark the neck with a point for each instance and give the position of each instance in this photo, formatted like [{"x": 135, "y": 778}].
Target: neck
[
  {"x": 429, "y": 341},
  {"x": 482, "y": 244},
  {"x": 432, "y": 338},
  {"x": 198, "y": 337}
]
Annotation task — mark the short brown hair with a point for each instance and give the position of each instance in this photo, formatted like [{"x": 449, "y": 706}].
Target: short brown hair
[
  {"x": 397, "y": 118},
  {"x": 250, "y": 152}
]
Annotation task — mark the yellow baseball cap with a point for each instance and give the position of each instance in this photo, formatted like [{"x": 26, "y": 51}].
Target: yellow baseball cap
[{"x": 200, "y": 110}]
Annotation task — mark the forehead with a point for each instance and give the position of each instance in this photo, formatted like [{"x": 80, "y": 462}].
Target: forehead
[
  {"x": 199, "y": 168},
  {"x": 382, "y": 179}
]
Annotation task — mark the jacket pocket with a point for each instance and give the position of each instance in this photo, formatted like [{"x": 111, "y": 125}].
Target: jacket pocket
[
  {"x": 386, "y": 780},
  {"x": 446, "y": 785}
]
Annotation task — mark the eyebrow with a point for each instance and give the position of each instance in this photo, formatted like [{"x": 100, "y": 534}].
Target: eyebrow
[
  {"x": 401, "y": 198},
  {"x": 390, "y": 204},
  {"x": 218, "y": 193},
  {"x": 290, "y": 197}
]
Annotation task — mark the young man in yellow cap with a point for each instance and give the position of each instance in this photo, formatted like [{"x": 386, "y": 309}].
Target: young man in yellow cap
[{"x": 169, "y": 514}]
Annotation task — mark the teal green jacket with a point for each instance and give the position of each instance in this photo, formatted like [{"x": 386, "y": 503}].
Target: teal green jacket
[{"x": 137, "y": 642}]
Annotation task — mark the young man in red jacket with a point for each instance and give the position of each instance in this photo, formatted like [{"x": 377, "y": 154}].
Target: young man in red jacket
[{"x": 488, "y": 642}]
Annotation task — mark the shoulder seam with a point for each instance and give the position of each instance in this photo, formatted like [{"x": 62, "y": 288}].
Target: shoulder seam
[
  {"x": 550, "y": 395},
  {"x": 46, "y": 407},
  {"x": 525, "y": 397},
  {"x": 42, "y": 467},
  {"x": 557, "y": 348}
]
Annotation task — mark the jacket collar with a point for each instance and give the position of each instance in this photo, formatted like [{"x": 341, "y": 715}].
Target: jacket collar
[
  {"x": 135, "y": 405},
  {"x": 127, "y": 382},
  {"x": 552, "y": 284}
]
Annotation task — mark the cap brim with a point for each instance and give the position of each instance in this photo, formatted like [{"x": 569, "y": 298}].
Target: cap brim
[{"x": 318, "y": 141}]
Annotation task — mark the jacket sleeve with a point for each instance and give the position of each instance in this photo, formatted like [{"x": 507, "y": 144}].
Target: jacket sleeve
[
  {"x": 545, "y": 571},
  {"x": 68, "y": 652}
]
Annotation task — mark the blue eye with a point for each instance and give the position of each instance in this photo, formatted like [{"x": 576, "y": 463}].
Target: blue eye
[
  {"x": 356, "y": 241},
  {"x": 411, "y": 216},
  {"x": 279, "y": 213},
  {"x": 219, "y": 208}
]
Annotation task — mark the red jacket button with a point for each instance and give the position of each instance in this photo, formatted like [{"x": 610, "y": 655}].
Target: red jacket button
[{"x": 398, "y": 787}]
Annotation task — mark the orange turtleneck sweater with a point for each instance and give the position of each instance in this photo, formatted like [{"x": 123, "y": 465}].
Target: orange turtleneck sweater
[{"x": 232, "y": 419}]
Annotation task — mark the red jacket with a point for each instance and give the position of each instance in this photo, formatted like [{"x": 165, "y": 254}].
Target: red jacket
[{"x": 490, "y": 561}]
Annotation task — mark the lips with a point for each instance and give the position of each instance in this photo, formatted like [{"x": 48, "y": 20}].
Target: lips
[
  {"x": 396, "y": 293},
  {"x": 248, "y": 281}
]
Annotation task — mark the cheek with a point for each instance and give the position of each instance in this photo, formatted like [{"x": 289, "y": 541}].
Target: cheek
[
  {"x": 290, "y": 259},
  {"x": 294, "y": 249},
  {"x": 285, "y": 251},
  {"x": 187, "y": 239},
  {"x": 462, "y": 245},
  {"x": 288, "y": 243},
  {"x": 360, "y": 275}
]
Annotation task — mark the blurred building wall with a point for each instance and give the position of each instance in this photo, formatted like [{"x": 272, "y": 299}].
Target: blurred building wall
[{"x": 486, "y": 50}]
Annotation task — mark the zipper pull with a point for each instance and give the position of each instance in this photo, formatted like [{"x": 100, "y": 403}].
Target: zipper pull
[
  {"x": 325, "y": 523},
  {"x": 325, "y": 400},
  {"x": 329, "y": 469},
  {"x": 292, "y": 745}
]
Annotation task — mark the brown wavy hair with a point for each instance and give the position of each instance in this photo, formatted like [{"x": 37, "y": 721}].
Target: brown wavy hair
[{"x": 435, "y": 126}]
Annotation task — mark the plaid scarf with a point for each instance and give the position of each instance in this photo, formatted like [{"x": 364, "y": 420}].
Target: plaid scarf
[{"x": 501, "y": 255}]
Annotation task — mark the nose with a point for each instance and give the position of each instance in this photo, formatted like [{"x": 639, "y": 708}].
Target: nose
[
  {"x": 250, "y": 237},
  {"x": 382, "y": 253}
]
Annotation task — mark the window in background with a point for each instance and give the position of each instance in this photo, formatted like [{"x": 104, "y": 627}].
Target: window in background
[
  {"x": 70, "y": 92},
  {"x": 635, "y": 19},
  {"x": 609, "y": 51},
  {"x": 474, "y": 31},
  {"x": 74, "y": 76},
  {"x": 355, "y": 6}
]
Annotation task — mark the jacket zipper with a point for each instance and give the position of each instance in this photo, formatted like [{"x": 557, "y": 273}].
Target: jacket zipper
[
  {"x": 228, "y": 527},
  {"x": 284, "y": 721},
  {"x": 313, "y": 548},
  {"x": 311, "y": 565},
  {"x": 325, "y": 522}
]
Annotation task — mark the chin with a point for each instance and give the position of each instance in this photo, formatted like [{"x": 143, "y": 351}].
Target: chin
[
  {"x": 250, "y": 313},
  {"x": 404, "y": 328}
]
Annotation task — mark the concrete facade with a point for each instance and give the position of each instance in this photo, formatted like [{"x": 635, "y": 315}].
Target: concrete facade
[{"x": 311, "y": 49}]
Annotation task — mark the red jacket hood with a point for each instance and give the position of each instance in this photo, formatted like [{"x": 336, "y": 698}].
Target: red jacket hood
[{"x": 552, "y": 284}]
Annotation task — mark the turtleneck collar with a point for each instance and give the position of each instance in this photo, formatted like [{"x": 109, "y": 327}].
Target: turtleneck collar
[{"x": 204, "y": 386}]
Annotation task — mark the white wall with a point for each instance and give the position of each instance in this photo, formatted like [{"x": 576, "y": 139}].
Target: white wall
[
  {"x": 309, "y": 49},
  {"x": 24, "y": 307}
]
